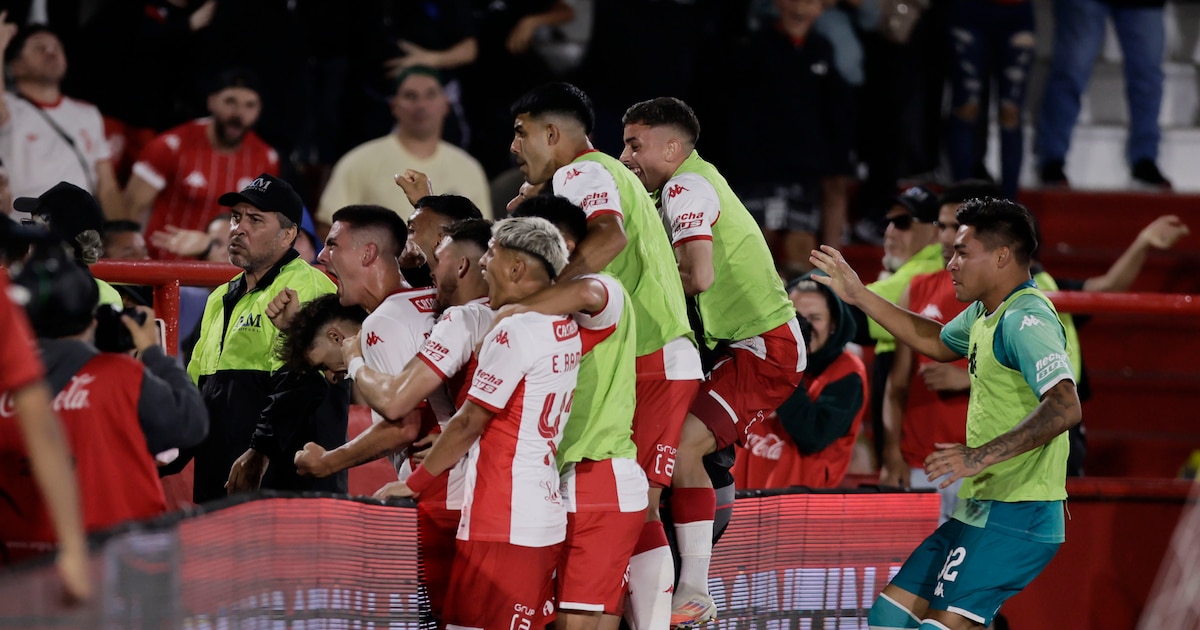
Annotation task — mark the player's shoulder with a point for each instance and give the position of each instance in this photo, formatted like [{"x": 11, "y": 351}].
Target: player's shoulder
[
  {"x": 465, "y": 315},
  {"x": 419, "y": 303},
  {"x": 581, "y": 168}
]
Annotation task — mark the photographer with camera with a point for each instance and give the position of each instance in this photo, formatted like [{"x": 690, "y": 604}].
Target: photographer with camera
[{"x": 118, "y": 411}]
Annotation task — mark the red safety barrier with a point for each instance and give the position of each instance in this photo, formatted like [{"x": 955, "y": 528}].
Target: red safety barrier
[
  {"x": 1125, "y": 303},
  {"x": 166, "y": 278}
]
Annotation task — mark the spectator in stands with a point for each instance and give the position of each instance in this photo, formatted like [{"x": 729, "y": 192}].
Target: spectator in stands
[
  {"x": 46, "y": 137},
  {"x": 261, "y": 415},
  {"x": 788, "y": 138},
  {"x": 210, "y": 245},
  {"x": 6, "y": 191},
  {"x": 991, "y": 40},
  {"x": 123, "y": 240},
  {"x": 808, "y": 441},
  {"x": 1079, "y": 31},
  {"x": 127, "y": 42},
  {"x": 48, "y": 455},
  {"x": 74, "y": 216},
  {"x": 909, "y": 248},
  {"x": 118, "y": 412},
  {"x": 179, "y": 176},
  {"x": 366, "y": 174}
]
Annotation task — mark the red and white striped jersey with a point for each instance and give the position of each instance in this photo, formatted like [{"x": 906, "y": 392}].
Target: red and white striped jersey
[
  {"x": 189, "y": 175},
  {"x": 528, "y": 366}
]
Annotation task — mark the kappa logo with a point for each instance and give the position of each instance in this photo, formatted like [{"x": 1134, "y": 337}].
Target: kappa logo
[
  {"x": 933, "y": 312},
  {"x": 1029, "y": 320},
  {"x": 573, "y": 173},
  {"x": 502, "y": 338},
  {"x": 675, "y": 191},
  {"x": 424, "y": 304},
  {"x": 195, "y": 179},
  {"x": 373, "y": 338}
]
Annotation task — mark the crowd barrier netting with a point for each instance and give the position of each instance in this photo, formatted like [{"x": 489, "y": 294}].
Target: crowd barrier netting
[{"x": 788, "y": 560}]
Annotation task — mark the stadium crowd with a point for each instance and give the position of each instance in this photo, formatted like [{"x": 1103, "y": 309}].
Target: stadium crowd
[{"x": 561, "y": 316}]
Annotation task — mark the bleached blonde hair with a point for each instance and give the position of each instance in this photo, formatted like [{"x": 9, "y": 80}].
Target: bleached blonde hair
[{"x": 536, "y": 237}]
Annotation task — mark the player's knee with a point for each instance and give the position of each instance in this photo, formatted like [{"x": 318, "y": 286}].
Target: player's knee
[
  {"x": 887, "y": 614},
  {"x": 1010, "y": 115}
]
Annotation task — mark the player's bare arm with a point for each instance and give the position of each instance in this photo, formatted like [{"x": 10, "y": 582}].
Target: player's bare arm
[
  {"x": 415, "y": 185},
  {"x": 379, "y": 440},
  {"x": 695, "y": 260},
  {"x": 605, "y": 239},
  {"x": 586, "y": 295},
  {"x": 921, "y": 333},
  {"x": 456, "y": 439},
  {"x": 1058, "y": 411},
  {"x": 393, "y": 396}
]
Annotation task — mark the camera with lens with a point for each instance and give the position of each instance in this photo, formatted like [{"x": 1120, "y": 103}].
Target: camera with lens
[{"x": 111, "y": 333}]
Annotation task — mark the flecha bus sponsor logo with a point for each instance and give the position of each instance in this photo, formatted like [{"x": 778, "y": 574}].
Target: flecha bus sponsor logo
[
  {"x": 435, "y": 350},
  {"x": 593, "y": 200},
  {"x": 487, "y": 382},
  {"x": 688, "y": 221}
]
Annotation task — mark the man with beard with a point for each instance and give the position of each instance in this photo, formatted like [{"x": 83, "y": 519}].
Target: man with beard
[
  {"x": 179, "y": 176},
  {"x": 260, "y": 414}
]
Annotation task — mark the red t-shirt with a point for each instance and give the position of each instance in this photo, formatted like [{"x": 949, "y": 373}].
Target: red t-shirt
[
  {"x": 931, "y": 417},
  {"x": 190, "y": 175}
]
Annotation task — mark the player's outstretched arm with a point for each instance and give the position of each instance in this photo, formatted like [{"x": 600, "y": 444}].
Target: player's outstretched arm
[
  {"x": 393, "y": 396},
  {"x": 463, "y": 429},
  {"x": 379, "y": 440},
  {"x": 581, "y": 294},
  {"x": 1058, "y": 411},
  {"x": 605, "y": 239},
  {"x": 921, "y": 333}
]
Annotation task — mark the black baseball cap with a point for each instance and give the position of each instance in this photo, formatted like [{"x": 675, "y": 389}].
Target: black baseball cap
[
  {"x": 69, "y": 209},
  {"x": 268, "y": 193},
  {"x": 921, "y": 203}
]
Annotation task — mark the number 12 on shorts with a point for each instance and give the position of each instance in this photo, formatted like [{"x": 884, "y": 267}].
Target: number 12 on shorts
[{"x": 948, "y": 574}]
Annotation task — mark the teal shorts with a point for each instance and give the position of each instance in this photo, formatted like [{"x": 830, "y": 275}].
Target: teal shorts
[{"x": 970, "y": 570}]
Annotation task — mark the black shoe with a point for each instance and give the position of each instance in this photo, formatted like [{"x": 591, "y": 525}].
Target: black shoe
[
  {"x": 1147, "y": 175},
  {"x": 1052, "y": 174}
]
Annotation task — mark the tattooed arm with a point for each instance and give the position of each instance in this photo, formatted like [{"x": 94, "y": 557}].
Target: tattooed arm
[{"x": 1058, "y": 411}]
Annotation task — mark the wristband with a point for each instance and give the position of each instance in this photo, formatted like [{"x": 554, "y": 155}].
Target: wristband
[
  {"x": 356, "y": 364},
  {"x": 420, "y": 480}
]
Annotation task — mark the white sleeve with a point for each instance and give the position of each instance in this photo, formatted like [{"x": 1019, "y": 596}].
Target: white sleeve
[
  {"x": 452, "y": 341},
  {"x": 101, "y": 151},
  {"x": 590, "y": 186},
  {"x": 691, "y": 206},
  {"x": 502, "y": 366},
  {"x": 388, "y": 343},
  {"x": 608, "y": 316}
]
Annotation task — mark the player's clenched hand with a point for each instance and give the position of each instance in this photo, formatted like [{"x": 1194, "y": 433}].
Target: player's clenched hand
[
  {"x": 351, "y": 349},
  {"x": 310, "y": 462},
  {"x": 283, "y": 308},
  {"x": 421, "y": 447},
  {"x": 954, "y": 461},
  {"x": 415, "y": 185},
  {"x": 397, "y": 489},
  {"x": 839, "y": 276}
]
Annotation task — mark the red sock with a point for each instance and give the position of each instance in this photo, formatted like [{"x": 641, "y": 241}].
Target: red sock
[
  {"x": 653, "y": 536},
  {"x": 690, "y": 505}
]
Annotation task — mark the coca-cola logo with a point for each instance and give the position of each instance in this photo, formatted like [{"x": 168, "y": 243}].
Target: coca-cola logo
[
  {"x": 769, "y": 446},
  {"x": 76, "y": 394}
]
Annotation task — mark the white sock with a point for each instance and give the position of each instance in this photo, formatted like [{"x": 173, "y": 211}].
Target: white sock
[
  {"x": 695, "y": 552},
  {"x": 651, "y": 578}
]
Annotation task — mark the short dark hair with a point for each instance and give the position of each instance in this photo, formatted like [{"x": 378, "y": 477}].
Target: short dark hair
[
  {"x": 566, "y": 216},
  {"x": 664, "y": 111},
  {"x": 477, "y": 231},
  {"x": 367, "y": 216},
  {"x": 17, "y": 45},
  {"x": 1001, "y": 223},
  {"x": 310, "y": 321},
  {"x": 557, "y": 98},
  {"x": 453, "y": 207},
  {"x": 236, "y": 78},
  {"x": 967, "y": 189}
]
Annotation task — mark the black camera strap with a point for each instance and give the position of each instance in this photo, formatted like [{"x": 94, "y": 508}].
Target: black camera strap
[{"x": 66, "y": 137}]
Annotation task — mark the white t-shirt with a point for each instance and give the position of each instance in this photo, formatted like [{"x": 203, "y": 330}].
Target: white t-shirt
[
  {"x": 392, "y": 335},
  {"x": 528, "y": 366},
  {"x": 38, "y": 157}
]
